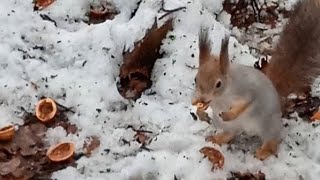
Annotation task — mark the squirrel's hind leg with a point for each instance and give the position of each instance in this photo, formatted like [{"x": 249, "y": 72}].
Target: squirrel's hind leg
[
  {"x": 221, "y": 138},
  {"x": 268, "y": 148},
  {"x": 269, "y": 129}
]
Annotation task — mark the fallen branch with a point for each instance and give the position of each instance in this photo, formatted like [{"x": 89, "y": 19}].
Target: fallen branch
[{"x": 167, "y": 12}]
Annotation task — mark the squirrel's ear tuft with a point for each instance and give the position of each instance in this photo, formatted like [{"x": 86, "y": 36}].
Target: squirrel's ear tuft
[
  {"x": 204, "y": 45},
  {"x": 224, "y": 55}
]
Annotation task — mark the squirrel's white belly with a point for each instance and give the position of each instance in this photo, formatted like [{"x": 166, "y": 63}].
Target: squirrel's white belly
[
  {"x": 221, "y": 105},
  {"x": 243, "y": 123}
]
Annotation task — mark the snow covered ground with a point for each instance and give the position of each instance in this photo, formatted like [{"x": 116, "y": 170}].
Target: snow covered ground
[{"x": 79, "y": 67}]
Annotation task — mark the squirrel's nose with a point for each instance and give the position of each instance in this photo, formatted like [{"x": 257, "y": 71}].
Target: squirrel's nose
[
  {"x": 200, "y": 100},
  {"x": 194, "y": 101}
]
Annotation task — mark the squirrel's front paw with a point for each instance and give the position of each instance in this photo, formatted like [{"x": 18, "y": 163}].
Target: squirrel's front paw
[{"x": 226, "y": 116}]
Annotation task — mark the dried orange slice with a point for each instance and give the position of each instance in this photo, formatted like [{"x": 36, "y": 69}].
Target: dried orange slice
[
  {"x": 46, "y": 109},
  {"x": 7, "y": 133},
  {"x": 61, "y": 152}
]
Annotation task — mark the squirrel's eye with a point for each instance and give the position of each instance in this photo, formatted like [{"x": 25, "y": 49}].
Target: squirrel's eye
[
  {"x": 218, "y": 84},
  {"x": 195, "y": 80}
]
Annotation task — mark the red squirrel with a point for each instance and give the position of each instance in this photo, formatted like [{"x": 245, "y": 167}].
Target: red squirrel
[{"x": 244, "y": 99}]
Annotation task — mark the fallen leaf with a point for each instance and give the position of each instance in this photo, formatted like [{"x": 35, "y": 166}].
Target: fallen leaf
[
  {"x": 316, "y": 116},
  {"x": 21, "y": 173},
  {"x": 101, "y": 14},
  {"x": 214, "y": 156},
  {"x": 41, "y": 4},
  {"x": 140, "y": 137},
  {"x": 245, "y": 13},
  {"x": 72, "y": 128},
  {"x": 10, "y": 166},
  {"x": 28, "y": 136},
  {"x": 29, "y": 147},
  {"x": 135, "y": 72},
  {"x": 91, "y": 145},
  {"x": 248, "y": 176},
  {"x": 3, "y": 156},
  {"x": 306, "y": 106}
]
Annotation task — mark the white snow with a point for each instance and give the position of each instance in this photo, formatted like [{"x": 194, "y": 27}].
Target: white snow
[{"x": 82, "y": 61}]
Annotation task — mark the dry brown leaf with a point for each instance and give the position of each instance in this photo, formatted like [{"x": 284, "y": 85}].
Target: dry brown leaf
[
  {"x": 3, "y": 156},
  {"x": 141, "y": 137},
  {"x": 72, "y": 129},
  {"x": 249, "y": 176},
  {"x": 101, "y": 14},
  {"x": 306, "y": 106},
  {"x": 29, "y": 147},
  {"x": 214, "y": 156},
  {"x": 91, "y": 145},
  {"x": 23, "y": 141},
  {"x": 316, "y": 116},
  {"x": 245, "y": 13},
  {"x": 28, "y": 136},
  {"x": 41, "y": 4},
  {"x": 10, "y": 166},
  {"x": 135, "y": 72}
]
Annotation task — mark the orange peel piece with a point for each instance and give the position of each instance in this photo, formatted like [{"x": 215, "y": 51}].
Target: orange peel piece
[
  {"x": 46, "y": 109},
  {"x": 7, "y": 133},
  {"x": 61, "y": 152}
]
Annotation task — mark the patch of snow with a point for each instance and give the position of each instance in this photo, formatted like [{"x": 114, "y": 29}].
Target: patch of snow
[
  {"x": 213, "y": 6},
  {"x": 224, "y": 18}
]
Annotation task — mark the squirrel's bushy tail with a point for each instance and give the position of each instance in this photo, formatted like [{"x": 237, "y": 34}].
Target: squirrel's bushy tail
[{"x": 295, "y": 62}]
